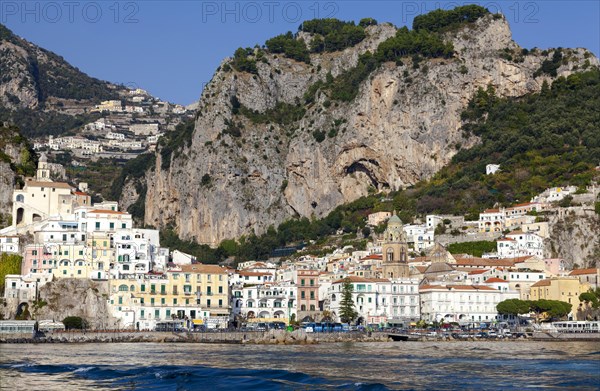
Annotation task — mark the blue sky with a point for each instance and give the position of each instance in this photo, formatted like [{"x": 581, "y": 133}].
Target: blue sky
[{"x": 172, "y": 48}]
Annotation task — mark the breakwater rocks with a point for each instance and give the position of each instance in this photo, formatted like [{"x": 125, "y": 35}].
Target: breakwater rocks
[{"x": 272, "y": 337}]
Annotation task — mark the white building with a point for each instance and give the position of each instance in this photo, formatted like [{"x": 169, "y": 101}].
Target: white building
[
  {"x": 39, "y": 200},
  {"x": 519, "y": 244},
  {"x": 115, "y": 136},
  {"x": 420, "y": 236},
  {"x": 135, "y": 251},
  {"x": 491, "y": 169},
  {"x": 461, "y": 303},
  {"x": 144, "y": 129},
  {"x": 554, "y": 194},
  {"x": 103, "y": 220},
  {"x": 270, "y": 302},
  {"x": 9, "y": 244},
  {"x": 378, "y": 301}
]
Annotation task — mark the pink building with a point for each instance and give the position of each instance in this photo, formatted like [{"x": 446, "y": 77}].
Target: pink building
[
  {"x": 37, "y": 259},
  {"x": 555, "y": 266}
]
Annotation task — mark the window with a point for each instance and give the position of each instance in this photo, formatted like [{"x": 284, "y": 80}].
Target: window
[
  {"x": 120, "y": 299},
  {"x": 112, "y": 225},
  {"x": 174, "y": 301},
  {"x": 312, "y": 295},
  {"x": 303, "y": 295},
  {"x": 302, "y": 282},
  {"x": 220, "y": 303},
  {"x": 157, "y": 314},
  {"x": 220, "y": 289},
  {"x": 152, "y": 301},
  {"x": 168, "y": 313},
  {"x": 97, "y": 225},
  {"x": 123, "y": 288},
  {"x": 163, "y": 301},
  {"x": 123, "y": 226},
  {"x": 34, "y": 252},
  {"x": 208, "y": 303}
]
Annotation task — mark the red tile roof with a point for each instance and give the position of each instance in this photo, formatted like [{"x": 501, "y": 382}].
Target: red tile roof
[
  {"x": 107, "y": 211},
  {"x": 542, "y": 283},
  {"x": 495, "y": 280},
  {"x": 580, "y": 272},
  {"x": 478, "y": 271}
]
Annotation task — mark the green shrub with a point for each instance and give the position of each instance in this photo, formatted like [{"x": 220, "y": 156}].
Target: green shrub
[
  {"x": 243, "y": 60},
  {"x": 289, "y": 46},
  {"x": 445, "y": 20},
  {"x": 333, "y": 34},
  {"x": 75, "y": 322}
]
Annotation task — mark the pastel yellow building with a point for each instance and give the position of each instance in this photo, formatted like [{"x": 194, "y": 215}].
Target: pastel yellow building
[
  {"x": 565, "y": 289},
  {"x": 101, "y": 254},
  {"x": 191, "y": 292},
  {"x": 72, "y": 261}
]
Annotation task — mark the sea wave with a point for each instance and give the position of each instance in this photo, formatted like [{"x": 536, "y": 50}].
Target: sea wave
[{"x": 194, "y": 377}]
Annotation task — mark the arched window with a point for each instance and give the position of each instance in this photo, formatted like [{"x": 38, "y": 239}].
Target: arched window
[
  {"x": 303, "y": 307},
  {"x": 390, "y": 255},
  {"x": 132, "y": 288},
  {"x": 312, "y": 307},
  {"x": 20, "y": 198},
  {"x": 333, "y": 298},
  {"x": 123, "y": 288}
]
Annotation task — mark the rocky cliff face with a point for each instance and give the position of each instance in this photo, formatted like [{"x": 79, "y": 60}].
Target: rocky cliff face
[
  {"x": 574, "y": 236},
  {"x": 35, "y": 78},
  {"x": 403, "y": 126},
  {"x": 15, "y": 159}
]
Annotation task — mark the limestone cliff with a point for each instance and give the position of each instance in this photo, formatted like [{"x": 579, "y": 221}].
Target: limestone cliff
[
  {"x": 403, "y": 126},
  {"x": 574, "y": 236},
  {"x": 16, "y": 161}
]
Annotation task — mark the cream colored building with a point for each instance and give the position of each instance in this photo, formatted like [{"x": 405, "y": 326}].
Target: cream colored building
[
  {"x": 565, "y": 289},
  {"x": 188, "y": 292}
]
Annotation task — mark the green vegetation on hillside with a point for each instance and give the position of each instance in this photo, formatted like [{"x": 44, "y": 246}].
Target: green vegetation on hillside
[
  {"x": 541, "y": 140},
  {"x": 9, "y": 264},
  {"x": 26, "y": 164},
  {"x": 476, "y": 249},
  {"x": 444, "y": 20},
  {"x": 54, "y": 76},
  {"x": 424, "y": 41},
  {"x": 174, "y": 141},
  {"x": 244, "y": 61},
  {"x": 332, "y": 35},
  {"x": 35, "y": 123},
  {"x": 289, "y": 46}
]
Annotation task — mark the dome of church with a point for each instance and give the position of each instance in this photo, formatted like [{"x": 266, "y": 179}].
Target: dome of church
[{"x": 395, "y": 220}]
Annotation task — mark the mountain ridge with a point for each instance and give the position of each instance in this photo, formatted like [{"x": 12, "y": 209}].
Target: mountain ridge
[{"x": 240, "y": 171}]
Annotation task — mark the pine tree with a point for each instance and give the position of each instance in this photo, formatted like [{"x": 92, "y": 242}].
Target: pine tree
[{"x": 347, "y": 311}]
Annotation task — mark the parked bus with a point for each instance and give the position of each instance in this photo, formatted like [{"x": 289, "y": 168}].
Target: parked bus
[
  {"x": 577, "y": 327},
  {"x": 170, "y": 325}
]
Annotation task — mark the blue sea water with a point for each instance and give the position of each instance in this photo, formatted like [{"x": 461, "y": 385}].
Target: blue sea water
[{"x": 344, "y": 366}]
